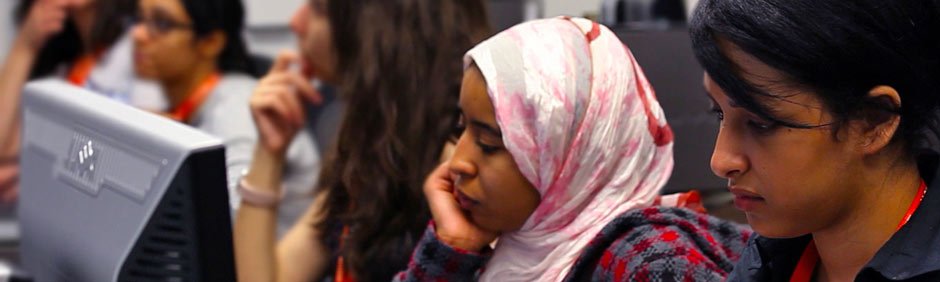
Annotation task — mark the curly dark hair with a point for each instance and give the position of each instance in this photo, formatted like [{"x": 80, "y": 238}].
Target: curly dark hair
[{"x": 400, "y": 69}]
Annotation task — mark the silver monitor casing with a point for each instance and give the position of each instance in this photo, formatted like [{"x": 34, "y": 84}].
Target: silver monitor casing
[{"x": 93, "y": 171}]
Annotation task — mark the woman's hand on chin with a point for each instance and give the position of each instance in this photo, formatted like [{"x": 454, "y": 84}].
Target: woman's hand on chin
[{"x": 453, "y": 227}]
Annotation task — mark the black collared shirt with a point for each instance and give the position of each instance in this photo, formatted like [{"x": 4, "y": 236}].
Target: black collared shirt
[{"x": 912, "y": 253}]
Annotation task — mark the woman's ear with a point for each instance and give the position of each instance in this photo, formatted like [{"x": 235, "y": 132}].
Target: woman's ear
[
  {"x": 211, "y": 45},
  {"x": 879, "y": 120}
]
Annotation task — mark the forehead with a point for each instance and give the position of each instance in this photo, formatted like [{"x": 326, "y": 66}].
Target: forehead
[
  {"x": 780, "y": 91},
  {"x": 172, "y": 7},
  {"x": 474, "y": 98}
]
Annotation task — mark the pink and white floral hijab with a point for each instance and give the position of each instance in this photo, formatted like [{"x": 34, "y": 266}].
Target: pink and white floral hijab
[{"x": 585, "y": 128}]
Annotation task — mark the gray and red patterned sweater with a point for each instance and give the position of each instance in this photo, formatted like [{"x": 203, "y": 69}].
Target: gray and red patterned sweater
[{"x": 651, "y": 244}]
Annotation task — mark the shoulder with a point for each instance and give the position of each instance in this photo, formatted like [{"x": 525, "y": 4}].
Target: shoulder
[
  {"x": 230, "y": 97},
  {"x": 661, "y": 243},
  {"x": 226, "y": 112}
]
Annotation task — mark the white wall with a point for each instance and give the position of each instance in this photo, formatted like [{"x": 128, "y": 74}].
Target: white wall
[
  {"x": 6, "y": 26},
  {"x": 575, "y": 8},
  {"x": 581, "y": 7},
  {"x": 268, "y": 21}
]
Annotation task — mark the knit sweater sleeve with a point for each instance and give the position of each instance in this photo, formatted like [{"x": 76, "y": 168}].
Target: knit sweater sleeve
[
  {"x": 663, "y": 244},
  {"x": 434, "y": 260}
]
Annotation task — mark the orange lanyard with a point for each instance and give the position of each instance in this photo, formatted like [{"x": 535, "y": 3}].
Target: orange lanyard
[
  {"x": 184, "y": 111},
  {"x": 810, "y": 257},
  {"x": 341, "y": 274},
  {"x": 81, "y": 68}
]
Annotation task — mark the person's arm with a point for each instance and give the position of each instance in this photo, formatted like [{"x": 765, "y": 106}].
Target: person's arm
[
  {"x": 13, "y": 76},
  {"x": 278, "y": 114},
  {"x": 45, "y": 18},
  {"x": 434, "y": 260},
  {"x": 298, "y": 256},
  {"x": 664, "y": 243},
  {"x": 453, "y": 248}
]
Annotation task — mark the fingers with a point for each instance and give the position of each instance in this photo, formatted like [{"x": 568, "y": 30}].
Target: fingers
[
  {"x": 305, "y": 89},
  {"x": 277, "y": 102},
  {"x": 291, "y": 103},
  {"x": 297, "y": 83},
  {"x": 440, "y": 179},
  {"x": 283, "y": 61},
  {"x": 9, "y": 183}
]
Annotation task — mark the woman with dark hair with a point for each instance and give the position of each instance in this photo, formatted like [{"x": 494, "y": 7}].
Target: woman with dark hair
[
  {"x": 194, "y": 49},
  {"x": 826, "y": 111},
  {"x": 397, "y": 65},
  {"x": 80, "y": 40}
]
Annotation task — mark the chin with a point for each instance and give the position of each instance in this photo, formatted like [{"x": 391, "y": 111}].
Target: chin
[
  {"x": 775, "y": 229},
  {"x": 144, "y": 73}
]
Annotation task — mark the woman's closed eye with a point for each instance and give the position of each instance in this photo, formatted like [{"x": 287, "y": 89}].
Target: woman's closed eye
[
  {"x": 488, "y": 149},
  {"x": 488, "y": 137}
]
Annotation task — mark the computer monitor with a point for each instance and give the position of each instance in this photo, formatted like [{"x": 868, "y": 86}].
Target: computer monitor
[{"x": 112, "y": 193}]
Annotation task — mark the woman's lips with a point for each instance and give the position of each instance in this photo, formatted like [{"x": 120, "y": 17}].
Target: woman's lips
[
  {"x": 465, "y": 201},
  {"x": 745, "y": 200}
]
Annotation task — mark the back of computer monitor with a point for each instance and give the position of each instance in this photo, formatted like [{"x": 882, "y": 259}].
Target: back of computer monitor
[{"x": 111, "y": 193}]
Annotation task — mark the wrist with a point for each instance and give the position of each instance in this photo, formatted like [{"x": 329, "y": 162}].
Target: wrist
[
  {"x": 257, "y": 196},
  {"x": 265, "y": 171},
  {"x": 459, "y": 243},
  {"x": 24, "y": 46}
]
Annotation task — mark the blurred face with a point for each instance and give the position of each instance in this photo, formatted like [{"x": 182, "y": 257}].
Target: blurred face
[
  {"x": 489, "y": 185},
  {"x": 311, "y": 24},
  {"x": 788, "y": 181},
  {"x": 165, "y": 45}
]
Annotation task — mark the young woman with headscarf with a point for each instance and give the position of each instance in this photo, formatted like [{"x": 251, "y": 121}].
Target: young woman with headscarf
[{"x": 563, "y": 156}]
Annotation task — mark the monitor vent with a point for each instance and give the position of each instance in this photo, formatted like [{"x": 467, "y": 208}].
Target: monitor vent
[{"x": 165, "y": 251}]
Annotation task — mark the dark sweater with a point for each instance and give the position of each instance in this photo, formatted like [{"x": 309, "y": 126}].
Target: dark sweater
[{"x": 652, "y": 244}]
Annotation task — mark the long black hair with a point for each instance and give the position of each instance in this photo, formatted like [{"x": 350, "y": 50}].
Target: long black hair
[
  {"x": 67, "y": 46},
  {"x": 400, "y": 68},
  {"x": 227, "y": 16},
  {"x": 839, "y": 50}
]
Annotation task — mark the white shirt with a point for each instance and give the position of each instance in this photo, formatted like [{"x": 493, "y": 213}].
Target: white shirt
[{"x": 226, "y": 115}]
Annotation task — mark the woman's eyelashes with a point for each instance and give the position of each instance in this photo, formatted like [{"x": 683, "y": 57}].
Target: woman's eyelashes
[
  {"x": 719, "y": 114},
  {"x": 487, "y": 149},
  {"x": 757, "y": 125},
  {"x": 762, "y": 127},
  {"x": 461, "y": 128}
]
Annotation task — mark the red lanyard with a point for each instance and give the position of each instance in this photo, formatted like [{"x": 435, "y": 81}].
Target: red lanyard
[
  {"x": 184, "y": 111},
  {"x": 81, "y": 68},
  {"x": 809, "y": 259},
  {"x": 342, "y": 274}
]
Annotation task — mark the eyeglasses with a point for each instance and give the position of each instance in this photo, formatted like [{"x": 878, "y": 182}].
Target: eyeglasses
[{"x": 157, "y": 26}]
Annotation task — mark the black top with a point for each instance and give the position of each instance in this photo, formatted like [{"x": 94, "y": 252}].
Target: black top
[{"x": 912, "y": 253}]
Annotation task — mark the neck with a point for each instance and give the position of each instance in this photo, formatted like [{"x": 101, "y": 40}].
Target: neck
[
  {"x": 850, "y": 243},
  {"x": 178, "y": 89}
]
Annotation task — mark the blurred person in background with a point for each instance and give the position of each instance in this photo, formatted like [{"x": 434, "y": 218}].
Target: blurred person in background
[
  {"x": 81, "y": 41},
  {"x": 397, "y": 66},
  {"x": 194, "y": 49}
]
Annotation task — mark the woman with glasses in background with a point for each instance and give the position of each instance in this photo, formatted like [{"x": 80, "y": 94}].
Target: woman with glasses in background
[
  {"x": 82, "y": 41},
  {"x": 194, "y": 49}
]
